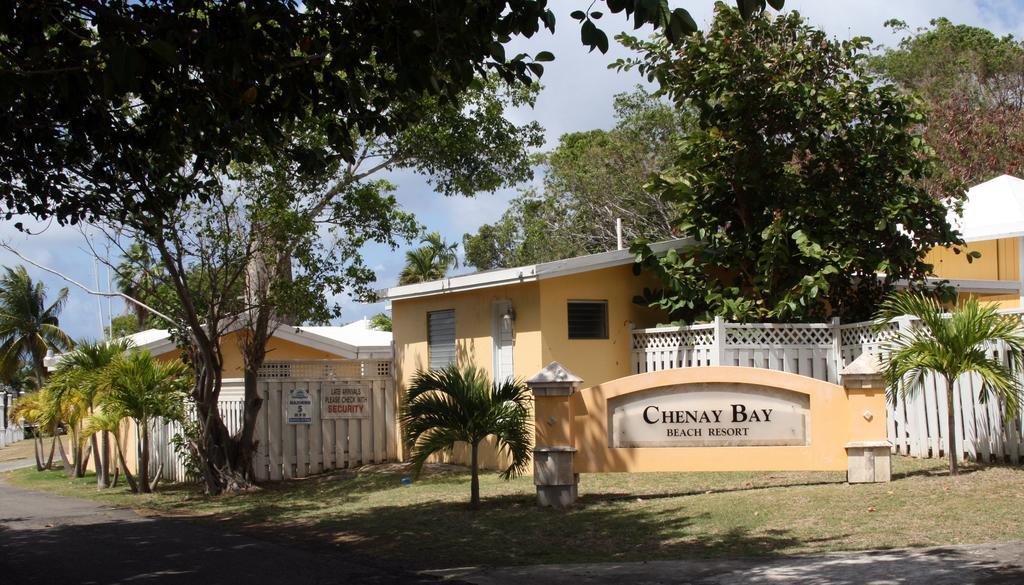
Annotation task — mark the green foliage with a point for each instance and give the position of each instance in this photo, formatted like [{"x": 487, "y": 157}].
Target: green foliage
[
  {"x": 123, "y": 326},
  {"x": 381, "y": 322},
  {"x": 973, "y": 84},
  {"x": 952, "y": 346},
  {"x": 801, "y": 179},
  {"x": 590, "y": 179},
  {"x": 430, "y": 261},
  {"x": 28, "y": 325},
  {"x": 170, "y": 85},
  {"x": 108, "y": 101},
  {"x": 448, "y": 406}
]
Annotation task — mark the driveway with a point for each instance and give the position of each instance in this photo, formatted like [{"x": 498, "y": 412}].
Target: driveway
[{"x": 52, "y": 539}]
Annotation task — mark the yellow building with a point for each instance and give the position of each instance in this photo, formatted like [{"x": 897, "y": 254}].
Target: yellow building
[
  {"x": 289, "y": 349},
  {"x": 580, "y": 311}
]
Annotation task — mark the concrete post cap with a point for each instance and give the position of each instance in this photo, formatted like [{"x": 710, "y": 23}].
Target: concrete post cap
[
  {"x": 552, "y": 374},
  {"x": 865, "y": 365}
]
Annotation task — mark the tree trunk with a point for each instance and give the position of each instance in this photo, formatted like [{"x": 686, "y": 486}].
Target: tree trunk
[
  {"x": 951, "y": 419},
  {"x": 84, "y": 458},
  {"x": 143, "y": 472},
  {"x": 69, "y": 469},
  {"x": 102, "y": 460},
  {"x": 474, "y": 483},
  {"x": 124, "y": 465},
  {"x": 53, "y": 447},
  {"x": 100, "y": 474},
  {"x": 38, "y": 444}
]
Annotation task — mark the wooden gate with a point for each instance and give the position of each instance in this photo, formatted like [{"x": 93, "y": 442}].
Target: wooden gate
[{"x": 329, "y": 440}]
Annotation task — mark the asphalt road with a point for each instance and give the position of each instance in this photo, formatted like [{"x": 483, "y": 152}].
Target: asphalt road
[{"x": 48, "y": 539}]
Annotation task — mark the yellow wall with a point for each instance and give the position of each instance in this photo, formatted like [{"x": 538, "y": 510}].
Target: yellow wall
[
  {"x": 832, "y": 423},
  {"x": 541, "y": 329},
  {"x": 999, "y": 261},
  {"x": 594, "y": 360},
  {"x": 277, "y": 350},
  {"x": 473, "y": 331},
  {"x": 541, "y": 326}
]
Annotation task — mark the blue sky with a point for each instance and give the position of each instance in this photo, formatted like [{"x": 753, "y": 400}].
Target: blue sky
[{"x": 577, "y": 95}]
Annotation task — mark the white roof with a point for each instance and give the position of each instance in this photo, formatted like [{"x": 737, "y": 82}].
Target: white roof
[
  {"x": 356, "y": 340},
  {"x": 520, "y": 274},
  {"x": 994, "y": 209},
  {"x": 358, "y": 333}
]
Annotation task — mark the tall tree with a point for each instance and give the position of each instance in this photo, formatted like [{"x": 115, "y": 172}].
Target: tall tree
[
  {"x": 107, "y": 101},
  {"x": 800, "y": 182},
  {"x": 951, "y": 346},
  {"x": 29, "y": 327},
  {"x": 590, "y": 179},
  {"x": 972, "y": 82}
]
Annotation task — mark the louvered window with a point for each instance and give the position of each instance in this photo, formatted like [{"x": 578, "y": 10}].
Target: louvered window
[
  {"x": 588, "y": 319},
  {"x": 441, "y": 338}
]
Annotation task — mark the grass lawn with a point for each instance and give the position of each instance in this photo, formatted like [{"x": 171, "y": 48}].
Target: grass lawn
[{"x": 619, "y": 517}]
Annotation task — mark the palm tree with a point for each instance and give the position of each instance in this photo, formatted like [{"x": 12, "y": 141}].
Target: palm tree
[
  {"x": 446, "y": 254},
  {"x": 448, "y": 405},
  {"x": 421, "y": 265},
  {"x": 142, "y": 388},
  {"x": 31, "y": 409},
  {"x": 28, "y": 326},
  {"x": 108, "y": 421},
  {"x": 430, "y": 261},
  {"x": 136, "y": 277},
  {"x": 77, "y": 378},
  {"x": 951, "y": 346}
]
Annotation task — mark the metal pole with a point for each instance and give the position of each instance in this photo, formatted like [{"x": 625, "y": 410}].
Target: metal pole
[{"x": 618, "y": 232}]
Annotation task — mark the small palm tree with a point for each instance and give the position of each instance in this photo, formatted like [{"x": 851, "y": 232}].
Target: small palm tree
[
  {"x": 31, "y": 409},
  {"x": 76, "y": 378},
  {"x": 108, "y": 421},
  {"x": 951, "y": 346},
  {"x": 28, "y": 326},
  {"x": 139, "y": 387},
  {"x": 448, "y": 406}
]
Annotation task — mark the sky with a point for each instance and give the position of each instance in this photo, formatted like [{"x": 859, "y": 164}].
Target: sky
[{"x": 577, "y": 95}]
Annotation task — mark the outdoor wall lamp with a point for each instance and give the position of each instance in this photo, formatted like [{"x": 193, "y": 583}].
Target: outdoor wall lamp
[{"x": 508, "y": 319}]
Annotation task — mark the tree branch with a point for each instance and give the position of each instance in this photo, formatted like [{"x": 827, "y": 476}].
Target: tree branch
[{"x": 99, "y": 293}]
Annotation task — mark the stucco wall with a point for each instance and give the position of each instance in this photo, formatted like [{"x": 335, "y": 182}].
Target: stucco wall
[
  {"x": 541, "y": 330},
  {"x": 594, "y": 360},
  {"x": 998, "y": 261},
  {"x": 277, "y": 350}
]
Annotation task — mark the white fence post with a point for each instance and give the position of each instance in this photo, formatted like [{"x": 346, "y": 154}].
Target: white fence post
[{"x": 718, "y": 343}]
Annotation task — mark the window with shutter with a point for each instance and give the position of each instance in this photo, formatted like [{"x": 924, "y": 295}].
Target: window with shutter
[
  {"x": 588, "y": 319},
  {"x": 441, "y": 338}
]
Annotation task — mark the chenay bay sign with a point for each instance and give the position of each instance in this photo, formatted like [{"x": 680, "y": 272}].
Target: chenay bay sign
[{"x": 710, "y": 415}]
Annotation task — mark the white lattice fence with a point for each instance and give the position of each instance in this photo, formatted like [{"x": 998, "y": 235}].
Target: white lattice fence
[{"x": 918, "y": 426}]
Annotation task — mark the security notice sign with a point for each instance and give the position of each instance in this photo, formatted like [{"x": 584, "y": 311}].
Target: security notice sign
[
  {"x": 346, "y": 400},
  {"x": 298, "y": 410}
]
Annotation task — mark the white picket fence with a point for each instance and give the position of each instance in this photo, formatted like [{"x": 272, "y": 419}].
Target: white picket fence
[
  {"x": 288, "y": 450},
  {"x": 918, "y": 426}
]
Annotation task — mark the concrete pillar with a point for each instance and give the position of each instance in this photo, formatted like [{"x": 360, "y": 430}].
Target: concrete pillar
[
  {"x": 868, "y": 450},
  {"x": 554, "y": 443}
]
